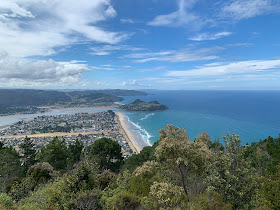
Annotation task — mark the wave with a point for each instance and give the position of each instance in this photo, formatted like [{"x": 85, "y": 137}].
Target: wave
[
  {"x": 119, "y": 103},
  {"x": 141, "y": 131},
  {"x": 148, "y": 115}
]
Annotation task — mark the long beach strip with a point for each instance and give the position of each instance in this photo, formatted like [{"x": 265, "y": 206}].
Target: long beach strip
[{"x": 124, "y": 128}]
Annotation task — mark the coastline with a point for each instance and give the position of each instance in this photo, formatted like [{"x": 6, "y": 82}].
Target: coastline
[
  {"x": 121, "y": 120},
  {"x": 124, "y": 128}
]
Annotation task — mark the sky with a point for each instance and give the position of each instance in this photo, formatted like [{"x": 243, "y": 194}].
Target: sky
[{"x": 140, "y": 44}]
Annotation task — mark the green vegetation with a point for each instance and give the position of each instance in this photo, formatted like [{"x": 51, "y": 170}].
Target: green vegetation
[
  {"x": 55, "y": 153},
  {"x": 142, "y": 106},
  {"x": 107, "y": 154},
  {"x": 174, "y": 173},
  {"x": 29, "y": 153}
]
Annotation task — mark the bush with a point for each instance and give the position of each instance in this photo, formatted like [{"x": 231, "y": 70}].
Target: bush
[
  {"x": 123, "y": 201},
  {"x": 37, "y": 175},
  {"x": 86, "y": 200},
  {"x": 105, "y": 178},
  {"x": 52, "y": 196},
  {"x": 208, "y": 201},
  {"x": 6, "y": 201}
]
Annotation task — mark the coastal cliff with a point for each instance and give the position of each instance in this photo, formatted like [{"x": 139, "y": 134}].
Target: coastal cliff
[{"x": 139, "y": 105}]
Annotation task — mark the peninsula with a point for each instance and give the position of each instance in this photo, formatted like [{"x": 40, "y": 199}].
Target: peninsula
[{"x": 143, "y": 106}]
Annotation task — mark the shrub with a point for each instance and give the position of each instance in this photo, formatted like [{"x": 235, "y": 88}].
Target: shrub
[{"x": 6, "y": 201}]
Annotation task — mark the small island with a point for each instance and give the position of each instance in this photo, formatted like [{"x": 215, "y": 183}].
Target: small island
[{"x": 143, "y": 106}]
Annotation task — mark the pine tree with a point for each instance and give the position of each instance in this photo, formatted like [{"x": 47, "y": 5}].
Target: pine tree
[
  {"x": 76, "y": 151},
  {"x": 29, "y": 153},
  {"x": 55, "y": 153}
]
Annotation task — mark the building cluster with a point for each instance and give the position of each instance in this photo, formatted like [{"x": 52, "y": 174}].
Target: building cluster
[
  {"x": 86, "y": 127},
  {"x": 76, "y": 123}
]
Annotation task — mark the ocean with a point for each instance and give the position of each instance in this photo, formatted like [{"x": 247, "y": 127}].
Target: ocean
[{"x": 253, "y": 115}]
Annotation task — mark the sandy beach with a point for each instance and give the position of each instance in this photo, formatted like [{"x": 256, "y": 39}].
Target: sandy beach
[{"x": 132, "y": 142}]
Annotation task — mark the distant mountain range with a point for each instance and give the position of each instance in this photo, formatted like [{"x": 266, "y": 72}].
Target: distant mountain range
[{"x": 28, "y": 97}]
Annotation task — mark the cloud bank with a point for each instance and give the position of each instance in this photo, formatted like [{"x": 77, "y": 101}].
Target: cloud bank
[
  {"x": 38, "y": 27},
  {"x": 242, "y": 67},
  {"x": 27, "y": 73},
  {"x": 183, "y": 16}
]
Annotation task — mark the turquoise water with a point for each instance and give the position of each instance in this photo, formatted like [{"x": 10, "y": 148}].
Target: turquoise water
[{"x": 253, "y": 115}]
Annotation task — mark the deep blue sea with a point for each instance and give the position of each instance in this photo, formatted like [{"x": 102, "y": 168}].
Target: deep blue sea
[{"x": 253, "y": 115}]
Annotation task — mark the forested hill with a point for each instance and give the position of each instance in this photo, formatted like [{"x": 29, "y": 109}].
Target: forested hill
[
  {"x": 142, "y": 106},
  {"x": 28, "y": 97}
]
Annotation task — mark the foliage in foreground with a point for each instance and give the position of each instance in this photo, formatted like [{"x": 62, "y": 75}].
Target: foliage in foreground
[{"x": 175, "y": 173}]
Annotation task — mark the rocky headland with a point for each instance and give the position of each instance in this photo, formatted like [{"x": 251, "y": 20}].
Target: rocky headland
[{"x": 143, "y": 106}]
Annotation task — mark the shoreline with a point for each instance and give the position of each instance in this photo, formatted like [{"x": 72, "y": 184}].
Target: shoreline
[
  {"x": 124, "y": 128},
  {"x": 122, "y": 122}
]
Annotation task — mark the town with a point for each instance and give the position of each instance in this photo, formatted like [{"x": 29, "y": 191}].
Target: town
[{"x": 86, "y": 127}]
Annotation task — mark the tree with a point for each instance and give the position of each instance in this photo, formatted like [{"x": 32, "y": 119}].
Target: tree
[
  {"x": 55, "y": 153},
  {"x": 1, "y": 145},
  {"x": 9, "y": 166},
  {"x": 273, "y": 149},
  {"x": 76, "y": 151},
  {"x": 258, "y": 157},
  {"x": 181, "y": 155},
  {"x": 204, "y": 137},
  {"x": 231, "y": 175},
  {"x": 29, "y": 153},
  {"x": 118, "y": 196},
  {"x": 146, "y": 154},
  {"x": 269, "y": 192},
  {"x": 107, "y": 153}
]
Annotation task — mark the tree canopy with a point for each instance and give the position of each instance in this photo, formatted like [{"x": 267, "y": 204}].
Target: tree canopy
[
  {"x": 107, "y": 153},
  {"x": 174, "y": 173}
]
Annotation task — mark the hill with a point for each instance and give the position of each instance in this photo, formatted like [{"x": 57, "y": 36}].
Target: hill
[
  {"x": 26, "y": 101},
  {"x": 28, "y": 97},
  {"x": 139, "y": 105}
]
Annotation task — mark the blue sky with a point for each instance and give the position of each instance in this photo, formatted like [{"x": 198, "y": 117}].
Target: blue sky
[{"x": 140, "y": 44}]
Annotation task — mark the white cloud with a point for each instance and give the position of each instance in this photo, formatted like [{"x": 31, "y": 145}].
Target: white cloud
[
  {"x": 243, "y": 9},
  {"x": 37, "y": 27},
  {"x": 239, "y": 45},
  {"x": 183, "y": 16},
  {"x": 145, "y": 55},
  {"x": 231, "y": 81},
  {"x": 12, "y": 9},
  {"x": 134, "y": 83},
  {"x": 242, "y": 67},
  {"x": 106, "y": 68},
  {"x": 176, "y": 56},
  {"x": 109, "y": 49},
  {"x": 207, "y": 36},
  {"x": 25, "y": 72},
  {"x": 126, "y": 20}
]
